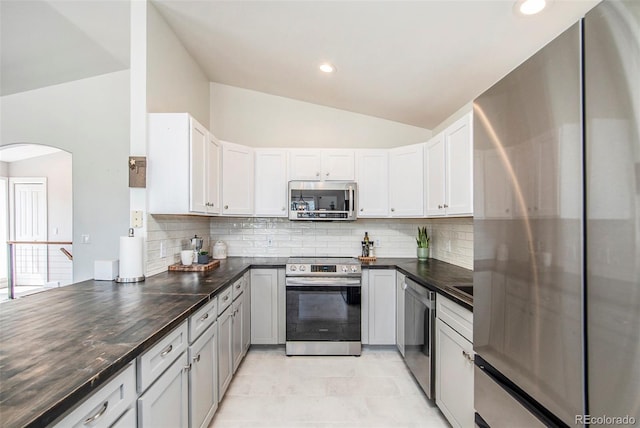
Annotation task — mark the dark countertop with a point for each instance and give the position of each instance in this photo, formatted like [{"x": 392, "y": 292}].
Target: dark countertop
[
  {"x": 433, "y": 274},
  {"x": 61, "y": 345}
]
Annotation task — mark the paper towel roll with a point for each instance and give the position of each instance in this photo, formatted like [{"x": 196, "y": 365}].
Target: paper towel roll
[{"x": 131, "y": 258}]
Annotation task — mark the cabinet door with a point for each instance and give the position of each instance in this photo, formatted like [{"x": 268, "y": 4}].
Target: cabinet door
[
  {"x": 373, "y": 183},
  {"x": 454, "y": 376},
  {"x": 212, "y": 185},
  {"x": 400, "y": 286},
  {"x": 236, "y": 328},
  {"x": 338, "y": 165},
  {"x": 271, "y": 183},
  {"x": 237, "y": 179},
  {"x": 166, "y": 402},
  {"x": 246, "y": 314},
  {"x": 264, "y": 306},
  {"x": 305, "y": 164},
  {"x": 459, "y": 167},
  {"x": 225, "y": 361},
  {"x": 406, "y": 181},
  {"x": 203, "y": 378},
  {"x": 199, "y": 140},
  {"x": 382, "y": 307},
  {"x": 435, "y": 176}
]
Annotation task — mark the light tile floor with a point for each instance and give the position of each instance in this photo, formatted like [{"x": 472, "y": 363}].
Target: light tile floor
[{"x": 373, "y": 390}]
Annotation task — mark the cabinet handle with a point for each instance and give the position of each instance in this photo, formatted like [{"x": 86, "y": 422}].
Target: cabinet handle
[
  {"x": 327, "y": 174},
  {"x": 361, "y": 209},
  {"x": 226, "y": 207},
  {"x": 317, "y": 174},
  {"x": 187, "y": 367},
  {"x": 446, "y": 206},
  {"x": 393, "y": 209},
  {"x": 166, "y": 350},
  {"x": 467, "y": 355},
  {"x": 226, "y": 298},
  {"x": 204, "y": 317},
  {"x": 507, "y": 210},
  {"x": 97, "y": 415},
  {"x": 282, "y": 209},
  {"x": 197, "y": 359},
  {"x": 439, "y": 207},
  {"x": 238, "y": 286},
  {"x": 404, "y": 285}
]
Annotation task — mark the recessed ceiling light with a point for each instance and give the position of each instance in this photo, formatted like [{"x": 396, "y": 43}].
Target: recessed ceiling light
[
  {"x": 327, "y": 68},
  {"x": 530, "y": 7}
]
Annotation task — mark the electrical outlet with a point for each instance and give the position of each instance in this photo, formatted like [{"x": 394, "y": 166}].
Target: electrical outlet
[
  {"x": 377, "y": 243},
  {"x": 269, "y": 241},
  {"x": 85, "y": 239},
  {"x": 448, "y": 244},
  {"x": 163, "y": 249}
]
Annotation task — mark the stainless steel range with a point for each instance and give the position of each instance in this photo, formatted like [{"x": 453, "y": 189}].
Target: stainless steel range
[{"x": 323, "y": 306}]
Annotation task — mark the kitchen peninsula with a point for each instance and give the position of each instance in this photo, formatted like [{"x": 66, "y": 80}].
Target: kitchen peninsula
[{"x": 61, "y": 345}]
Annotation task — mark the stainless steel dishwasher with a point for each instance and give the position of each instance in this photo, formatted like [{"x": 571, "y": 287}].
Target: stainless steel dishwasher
[{"x": 419, "y": 334}]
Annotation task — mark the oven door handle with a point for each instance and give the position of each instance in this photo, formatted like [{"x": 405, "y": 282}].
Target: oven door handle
[{"x": 322, "y": 281}]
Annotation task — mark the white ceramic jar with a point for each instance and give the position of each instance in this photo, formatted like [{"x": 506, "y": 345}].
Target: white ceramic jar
[{"x": 220, "y": 250}]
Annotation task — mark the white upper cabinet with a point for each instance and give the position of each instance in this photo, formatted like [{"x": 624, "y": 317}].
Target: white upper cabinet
[
  {"x": 183, "y": 166},
  {"x": 372, "y": 168},
  {"x": 434, "y": 162},
  {"x": 449, "y": 171},
  {"x": 458, "y": 139},
  {"x": 237, "y": 179},
  {"x": 406, "y": 181},
  {"x": 324, "y": 164},
  {"x": 271, "y": 182}
]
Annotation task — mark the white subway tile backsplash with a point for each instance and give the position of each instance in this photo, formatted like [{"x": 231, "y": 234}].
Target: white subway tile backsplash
[{"x": 249, "y": 237}]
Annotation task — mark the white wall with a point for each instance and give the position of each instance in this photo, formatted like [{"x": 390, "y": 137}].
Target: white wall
[
  {"x": 175, "y": 82},
  {"x": 261, "y": 120},
  {"x": 90, "y": 119},
  {"x": 57, "y": 168}
]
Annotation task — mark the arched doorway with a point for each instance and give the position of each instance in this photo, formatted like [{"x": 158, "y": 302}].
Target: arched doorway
[{"x": 36, "y": 219}]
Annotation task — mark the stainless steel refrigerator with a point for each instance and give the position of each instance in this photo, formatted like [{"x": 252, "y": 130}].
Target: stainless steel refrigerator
[{"x": 557, "y": 231}]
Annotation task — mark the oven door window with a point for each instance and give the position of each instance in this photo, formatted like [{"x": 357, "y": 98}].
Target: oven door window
[{"x": 317, "y": 313}]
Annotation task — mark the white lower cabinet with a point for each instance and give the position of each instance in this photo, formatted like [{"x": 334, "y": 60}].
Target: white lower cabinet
[
  {"x": 400, "y": 286},
  {"x": 203, "y": 378},
  {"x": 109, "y": 406},
  {"x": 127, "y": 420},
  {"x": 237, "y": 310},
  {"x": 454, "y": 362},
  {"x": 382, "y": 306},
  {"x": 166, "y": 402},
  {"x": 264, "y": 306},
  {"x": 225, "y": 358},
  {"x": 246, "y": 314}
]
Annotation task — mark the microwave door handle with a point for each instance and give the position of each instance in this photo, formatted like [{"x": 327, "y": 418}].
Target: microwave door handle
[{"x": 351, "y": 202}]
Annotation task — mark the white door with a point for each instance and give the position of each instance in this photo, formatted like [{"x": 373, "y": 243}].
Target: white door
[
  {"x": 28, "y": 219},
  {"x": 435, "y": 183},
  {"x": 237, "y": 179},
  {"x": 373, "y": 183},
  {"x": 271, "y": 183},
  {"x": 406, "y": 181}
]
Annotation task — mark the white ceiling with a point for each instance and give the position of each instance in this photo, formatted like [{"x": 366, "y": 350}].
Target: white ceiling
[{"x": 414, "y": 62}]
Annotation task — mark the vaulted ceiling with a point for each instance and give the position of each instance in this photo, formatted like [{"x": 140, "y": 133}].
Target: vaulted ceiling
[{"x": 414, "y": 62}]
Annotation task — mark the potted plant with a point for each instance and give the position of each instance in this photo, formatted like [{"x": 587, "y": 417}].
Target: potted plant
[
  {"x": 423, "y": 243},
  {"x": 203, "y": 257}
]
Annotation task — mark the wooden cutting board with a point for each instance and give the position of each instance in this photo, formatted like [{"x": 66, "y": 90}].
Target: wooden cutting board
[{"x": 179, "y": 267}]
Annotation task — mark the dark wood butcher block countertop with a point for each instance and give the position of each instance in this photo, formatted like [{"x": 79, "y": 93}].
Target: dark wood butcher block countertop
[
  {"x": 59, "y": 346},
  {"x": 434, "y": 274}
]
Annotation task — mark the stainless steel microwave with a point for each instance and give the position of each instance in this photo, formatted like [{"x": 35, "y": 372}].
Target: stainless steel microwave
[{"x": 322, "y": 200}]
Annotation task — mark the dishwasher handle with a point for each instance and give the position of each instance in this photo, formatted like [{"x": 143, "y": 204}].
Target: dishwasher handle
[{"x": 420, "y": 293}]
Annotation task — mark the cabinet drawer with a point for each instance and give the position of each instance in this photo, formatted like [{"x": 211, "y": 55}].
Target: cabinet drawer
[
  {"x": 458, "y": 318},
  {"x": 224, "y": 299},
  {"x": 155, "y": 361},
  {"x": 237, "y": 288},
  {"x": 107, "y": 404},
  {"x": 203, "y": 318}
]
